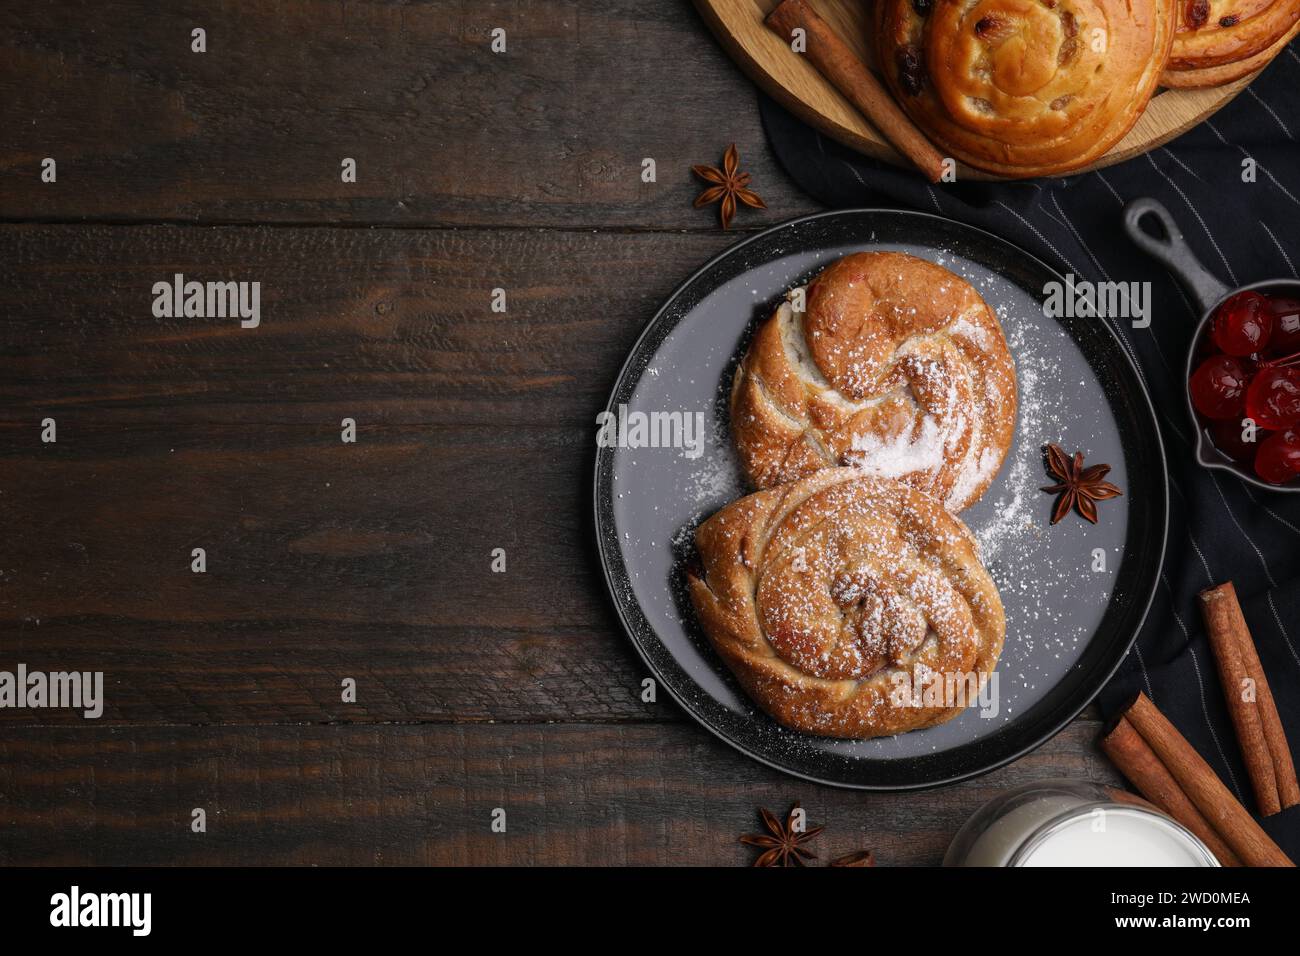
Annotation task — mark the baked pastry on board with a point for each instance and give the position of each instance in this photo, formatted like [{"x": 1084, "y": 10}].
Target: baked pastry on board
[
  {"x": 1218, "y": 41},
  {"x": 1024, "y": 87},
  {"x": 838, "y": 599},
  {"x": 895, "y": 366}
]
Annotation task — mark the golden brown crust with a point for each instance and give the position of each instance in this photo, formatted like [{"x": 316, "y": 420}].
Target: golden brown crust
[
  {"x": 1219, "y": 32},
  {"x": 1024, "y": 87},
  {"x": 896, "y": 366},
  {"x": 1187, "y": 69},
  {"x": 839, "y": 600}
]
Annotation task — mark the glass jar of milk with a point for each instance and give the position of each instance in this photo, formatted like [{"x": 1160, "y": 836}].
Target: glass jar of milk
[{"x": 1068, "y": 823}]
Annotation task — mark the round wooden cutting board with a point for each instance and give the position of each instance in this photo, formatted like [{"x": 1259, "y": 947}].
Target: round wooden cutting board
[{"x": 796, "y": 84}]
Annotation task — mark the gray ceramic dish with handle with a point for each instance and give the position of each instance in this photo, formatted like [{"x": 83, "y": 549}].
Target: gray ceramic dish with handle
[{"x": 1207, "y": 293}]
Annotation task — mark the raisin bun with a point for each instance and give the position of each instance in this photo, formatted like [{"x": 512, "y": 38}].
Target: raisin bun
[
  {"x": 1024, "y": 87},
  {"x": 840, "y": 602},
  {"x": 894, "y": 365},
  {"x": 1219, "y": 41}
]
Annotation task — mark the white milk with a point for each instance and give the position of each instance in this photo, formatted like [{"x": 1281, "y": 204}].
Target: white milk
[
  {"x": 1072, "y": 823},
  {"x": 1120, "y": 836}
]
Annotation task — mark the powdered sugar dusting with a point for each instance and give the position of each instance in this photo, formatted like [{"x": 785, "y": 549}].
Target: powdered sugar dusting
[
  {"x": 1054, "y": 597},
  {"x": 969, "y": 330},
  {"x": 1016, "y": 499},
  {"x": 971, "y": 478},
  {"x": 903, "y": 454}
]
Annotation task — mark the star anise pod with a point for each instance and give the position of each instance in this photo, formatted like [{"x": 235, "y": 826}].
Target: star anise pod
[
  {"x": 782, "y": 844},
  {"x": 861, "y": 858},
  {"x": 729, "y": 186},
  {"x": 1080, "y": 488}
]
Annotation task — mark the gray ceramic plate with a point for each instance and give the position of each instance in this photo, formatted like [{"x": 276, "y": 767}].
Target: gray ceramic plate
[{"x": 1075, "y": 594}]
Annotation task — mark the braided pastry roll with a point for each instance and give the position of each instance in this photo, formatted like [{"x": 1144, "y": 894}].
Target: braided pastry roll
[
  {"x": 1218, "y": 41},
  {"x": 896, "y": 366},
  {"x": 838, "y": 599},
  {"x": 1024, "y": 87}
]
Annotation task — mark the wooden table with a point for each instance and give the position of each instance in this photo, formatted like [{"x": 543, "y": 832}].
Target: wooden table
[{"x": 370, "y": 560}]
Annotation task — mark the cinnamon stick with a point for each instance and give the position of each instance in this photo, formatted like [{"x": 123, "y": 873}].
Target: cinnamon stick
[
  {"x": 1224, "y": 628},
  {"x": 1225, "y": 814},
  {"x": 838, "y": 64},
  {"x": 1263, "y": 740},
  {"x": 1288, "y": 787},
  {"x": 1142, "y": 768}
]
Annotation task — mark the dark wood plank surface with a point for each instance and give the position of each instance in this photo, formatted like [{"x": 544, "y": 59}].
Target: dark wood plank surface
[
  {"x": 551, "y": 132},
  {"x": 324, "y": 560},
  {"x": 573, "y": 794},
  {"x": 370, "y": 560},
  {"x": 383, "y": 325}
]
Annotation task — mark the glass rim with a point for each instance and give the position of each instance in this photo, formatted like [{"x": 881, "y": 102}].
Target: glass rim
[{"x": 1044, "y": 831}]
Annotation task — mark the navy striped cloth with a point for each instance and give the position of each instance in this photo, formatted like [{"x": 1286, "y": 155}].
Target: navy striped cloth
[{"x": 1220, "y": 528}]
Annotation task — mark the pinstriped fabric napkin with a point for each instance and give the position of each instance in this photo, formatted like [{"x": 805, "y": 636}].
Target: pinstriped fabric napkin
[{"x": 1220, "y": 528}]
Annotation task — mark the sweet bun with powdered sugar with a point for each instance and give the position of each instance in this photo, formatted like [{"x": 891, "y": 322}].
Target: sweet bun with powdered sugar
[
  {"x": 895, "y": 366},
  {"x": 842, "y": 600}
]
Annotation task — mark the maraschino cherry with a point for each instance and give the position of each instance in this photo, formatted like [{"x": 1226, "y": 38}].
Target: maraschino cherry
[
  {"x": 1286, "y": 328},
  {"x": 1278, "y": 460},
  {"x": 1273, "y": 397},
  {"x": 1243, "y": 324},
  {"x": 1249, "y": 374},
  {"x": 1219, "y": 387}
]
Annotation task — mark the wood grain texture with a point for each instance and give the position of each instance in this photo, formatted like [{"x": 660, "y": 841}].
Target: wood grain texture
[
  {"x": 573, "y": 794},
  {"x": 391, "y": 326},
  {"x": 370, "y": 561},
  {"x": 324, "y": 560},
  {"x": 796, "y": 84},
  {"x": 550, "y": 133}
]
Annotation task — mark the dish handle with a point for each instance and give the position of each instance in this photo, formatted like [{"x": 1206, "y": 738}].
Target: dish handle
[{"x": 1173, "y": 251}]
